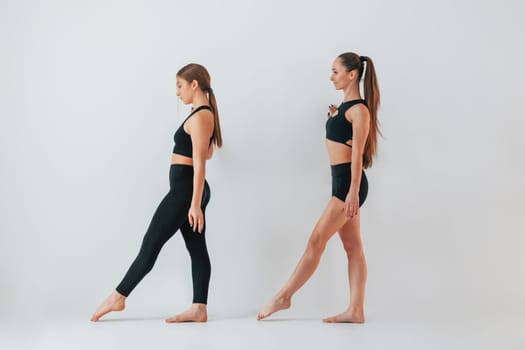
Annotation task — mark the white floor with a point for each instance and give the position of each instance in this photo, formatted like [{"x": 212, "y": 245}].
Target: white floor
[{"x": 128, "y": 331}]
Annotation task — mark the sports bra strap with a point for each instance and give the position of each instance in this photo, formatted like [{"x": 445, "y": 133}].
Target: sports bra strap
[{"x": 200, "y": 108}]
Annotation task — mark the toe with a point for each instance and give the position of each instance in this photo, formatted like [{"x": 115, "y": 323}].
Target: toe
[{"x": 329, "y": 320}]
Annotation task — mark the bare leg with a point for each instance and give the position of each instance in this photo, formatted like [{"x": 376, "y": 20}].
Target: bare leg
[
  {"x": 114, "y": 302},
  {"x": 332, "y": 219},
  {"x": 196, "y": 313},
  {"x": 351, "y": 238}
]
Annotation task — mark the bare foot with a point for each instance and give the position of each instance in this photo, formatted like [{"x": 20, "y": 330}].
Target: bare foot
[
  {"x": 349, "y": 316},
  {"x": 114, "y": 302},
  {"x": 196, "y": 313},
  {"x": 274, "y": 305}
]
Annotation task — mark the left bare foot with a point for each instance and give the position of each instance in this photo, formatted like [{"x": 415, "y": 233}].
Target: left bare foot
[
  {"x": 196, "y": 313},
  {"x": 349, "y": 316},
  {"x": 276, "y": 304},
  {"x": 114, "y": 302}
]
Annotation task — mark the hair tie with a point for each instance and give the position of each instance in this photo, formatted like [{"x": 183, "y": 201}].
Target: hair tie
[
  {"x": 210, "y": 90},
  {"x": 362, "y": 58}
]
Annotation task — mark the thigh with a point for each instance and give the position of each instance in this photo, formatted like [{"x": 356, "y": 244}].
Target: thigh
[
  {"x": 167, "y": 219},
  {"x": 193, "y": 239},
  {"x": 350, "y": 233},
  {"x": 190, "y": 236},
  {"x": 331, "y": 220}
]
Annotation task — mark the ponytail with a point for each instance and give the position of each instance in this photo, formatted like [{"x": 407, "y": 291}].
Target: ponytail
[
  {"x": 372, "y": 98},
  {"x": 217, "y": 136}
]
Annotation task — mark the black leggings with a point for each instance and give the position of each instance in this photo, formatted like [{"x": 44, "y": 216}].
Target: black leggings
[
  {"x": 170, "y": 216},
  {"x": 341, "y": 179}
]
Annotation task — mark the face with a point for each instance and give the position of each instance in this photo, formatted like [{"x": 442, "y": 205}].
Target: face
[
  {"x": 340, "y": 77},
  {"x": 185, "y": 90}
]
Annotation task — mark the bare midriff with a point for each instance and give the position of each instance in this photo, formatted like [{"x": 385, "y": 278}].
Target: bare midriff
[
  {"x": 339, "y": 153},
  {"x": 180, "y": 159}
]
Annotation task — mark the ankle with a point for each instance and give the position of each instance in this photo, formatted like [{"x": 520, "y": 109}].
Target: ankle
[
  {"x": 283, "y": 297},
  {"x": 199, "y": 306},
  {"x": 117, "y": 296},
  {"x": 355, "y": 309}
]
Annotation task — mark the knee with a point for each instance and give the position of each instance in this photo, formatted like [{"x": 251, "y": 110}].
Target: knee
[
  {"x": 196, "y": 248},
  {"x": 354, "y": 250},
  {"x": 148, "y": 254},
  {"x": 316, "y": 245},
  {"x": 149, "y": 248}
]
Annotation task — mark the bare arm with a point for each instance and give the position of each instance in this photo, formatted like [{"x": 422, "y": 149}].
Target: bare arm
[
  {"x": 210, "y": 152},
  {"x": 360, "y": 119},
  {"x": 201, "y": 129}
]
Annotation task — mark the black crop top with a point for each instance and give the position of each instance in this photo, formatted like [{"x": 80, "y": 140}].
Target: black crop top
[
  {"x": 338, "y": 128},
  {"x": 183, "y": 145}
]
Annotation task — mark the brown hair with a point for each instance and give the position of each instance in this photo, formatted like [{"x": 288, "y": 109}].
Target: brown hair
[
  {"x": 353, "y": 61},
  {"x": 194, "y": 71}
]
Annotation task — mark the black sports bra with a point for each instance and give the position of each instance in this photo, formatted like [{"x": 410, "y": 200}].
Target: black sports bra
[
  {"x": 183, "y": 145},
  {"x": 338, "y": 128}
]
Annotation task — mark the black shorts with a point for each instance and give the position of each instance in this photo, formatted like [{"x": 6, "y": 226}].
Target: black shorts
[{"x": 341, "y": 179}]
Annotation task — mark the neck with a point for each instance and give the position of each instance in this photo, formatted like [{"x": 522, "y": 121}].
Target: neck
[
  {"x": 351, "y": 92},
  {"x": 200, "y": 99}
]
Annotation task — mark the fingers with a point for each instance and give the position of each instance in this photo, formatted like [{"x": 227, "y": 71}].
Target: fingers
[
  {"x": 196, "y": 222},
  {"x": 351, "y": 209},
  {"x": 190, "y": 219},
  {"x": 331, "y": 110},
  {"x": 200, "y": 224}
]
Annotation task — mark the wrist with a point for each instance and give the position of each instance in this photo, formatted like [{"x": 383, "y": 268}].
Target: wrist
[{"x": 353, "y": 191}]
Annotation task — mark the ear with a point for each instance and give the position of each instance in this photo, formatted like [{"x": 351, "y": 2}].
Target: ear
[
  {"x": 194, "y": 84},
  {"x": 353, "y": 74}
]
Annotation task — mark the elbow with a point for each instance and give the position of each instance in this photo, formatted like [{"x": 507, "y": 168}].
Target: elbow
[
  {"x": 210, "y": 153},
  {"x": 199, "y": 163},
  {"x": 357, "y": 158}
]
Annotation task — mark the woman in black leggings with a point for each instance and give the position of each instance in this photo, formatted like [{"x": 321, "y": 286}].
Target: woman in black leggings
[{"x": 184, "y": 205}]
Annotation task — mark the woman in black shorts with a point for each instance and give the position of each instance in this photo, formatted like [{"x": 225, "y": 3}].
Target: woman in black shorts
[{"x": 351, "y": 139}]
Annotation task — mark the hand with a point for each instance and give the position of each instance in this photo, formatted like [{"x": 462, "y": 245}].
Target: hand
[
  {"x": 331, "y": 110},
  {"x": 351, "y": 204},
  {"x": 196, "y": 219}
]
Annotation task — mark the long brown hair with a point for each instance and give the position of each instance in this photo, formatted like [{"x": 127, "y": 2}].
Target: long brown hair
[
  {"x": 194, "y": 71},
  {"x": 353, "y": 61}
]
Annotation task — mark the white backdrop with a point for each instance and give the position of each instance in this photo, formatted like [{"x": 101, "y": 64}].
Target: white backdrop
[{"x": 88, "y": 111}]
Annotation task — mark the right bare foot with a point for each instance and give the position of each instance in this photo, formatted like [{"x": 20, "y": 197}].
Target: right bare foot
[
  {"x": 114, "y": 302},
  {"x": 349, "y": 316},
  {"x": 196, "y": 313},
  {"x": 274, "y": 305}
]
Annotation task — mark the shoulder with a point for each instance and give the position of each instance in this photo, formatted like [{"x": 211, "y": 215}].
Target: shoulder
[
  {"x": 201, "y": 121},
  {"x": 204, "y": 115},
  {"x": 357, "y": 112}
]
